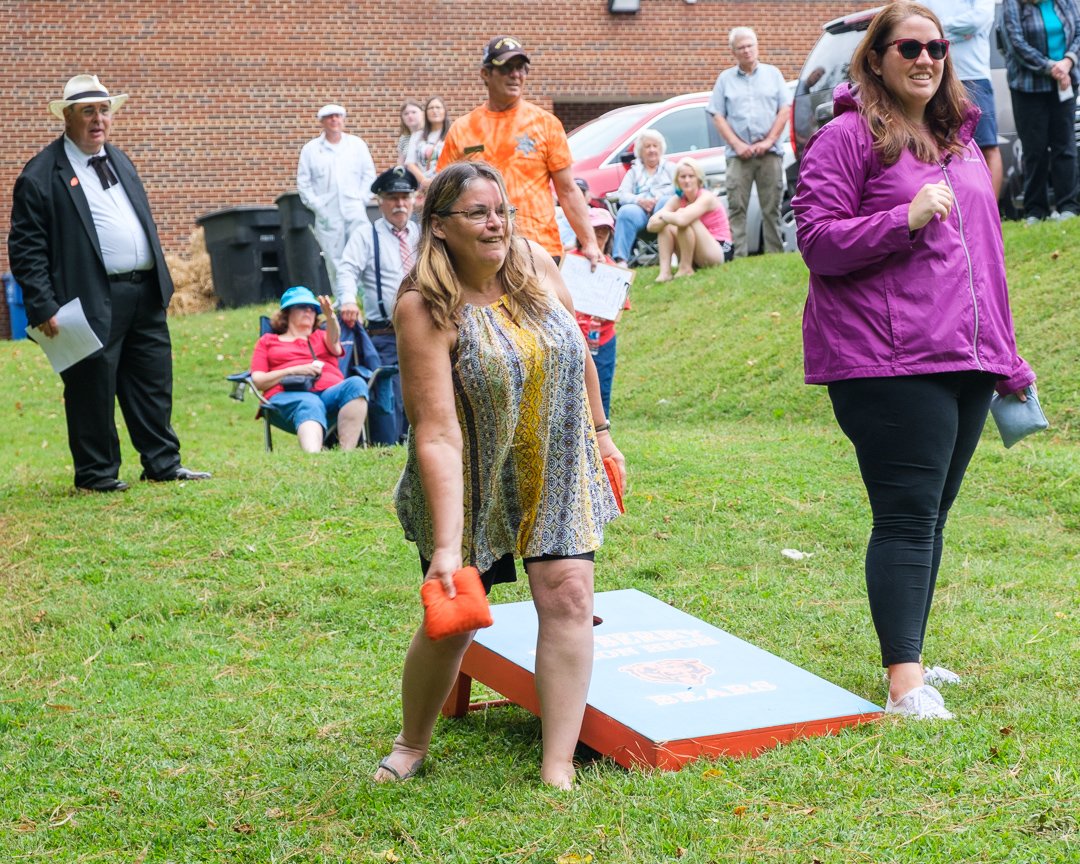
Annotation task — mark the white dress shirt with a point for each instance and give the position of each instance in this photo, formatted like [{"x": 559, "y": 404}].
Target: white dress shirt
[
  {"x": 124, "y": 244},
  {"x": 357, "y": 266},
  {"x": 334, "y": 180}
]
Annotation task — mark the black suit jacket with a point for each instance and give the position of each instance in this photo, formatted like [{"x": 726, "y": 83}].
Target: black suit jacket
[{"x": 53, "y": 246}]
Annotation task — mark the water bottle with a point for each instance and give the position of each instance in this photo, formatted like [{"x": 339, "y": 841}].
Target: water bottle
[{"x": 593, "y": 337}]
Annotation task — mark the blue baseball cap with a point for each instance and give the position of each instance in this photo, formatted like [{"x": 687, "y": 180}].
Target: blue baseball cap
[{"x": 298, "y": 295}]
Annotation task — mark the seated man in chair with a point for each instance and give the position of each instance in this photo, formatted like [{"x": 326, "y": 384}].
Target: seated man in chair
[
  {"x": 375, "y": 261},
  {"x": 296, "y": 367}
]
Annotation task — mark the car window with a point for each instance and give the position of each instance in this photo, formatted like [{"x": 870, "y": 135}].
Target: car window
[
  {"x": 828, "y": 63},
  {"x": 684, "y": 129},
  {"x": 596, "y": 136}
]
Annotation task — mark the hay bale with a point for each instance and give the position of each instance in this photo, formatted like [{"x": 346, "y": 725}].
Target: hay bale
[{"x": 192, "y": 280}]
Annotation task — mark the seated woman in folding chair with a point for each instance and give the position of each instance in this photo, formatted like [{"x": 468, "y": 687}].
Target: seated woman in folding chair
[
  {"x": 693, "y": 224},
  {"x": 296, "y": 367},
  {"x": 644, "y": 189}
]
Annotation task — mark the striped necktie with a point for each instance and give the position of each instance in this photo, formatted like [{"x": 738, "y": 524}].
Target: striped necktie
[{"x": 406, "y": 250}]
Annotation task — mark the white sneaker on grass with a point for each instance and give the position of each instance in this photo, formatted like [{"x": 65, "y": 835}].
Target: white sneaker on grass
[
  {"x": 938, "y": 675},
  {"x": 922, "y": 703}
]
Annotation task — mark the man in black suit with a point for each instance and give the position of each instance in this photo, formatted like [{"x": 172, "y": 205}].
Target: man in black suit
[{"x": 81, "y": 228}]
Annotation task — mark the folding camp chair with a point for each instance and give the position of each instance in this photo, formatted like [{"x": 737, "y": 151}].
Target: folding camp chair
[
  {"x": 646, "y": 250},
  {"x": 354, "y": 361}
]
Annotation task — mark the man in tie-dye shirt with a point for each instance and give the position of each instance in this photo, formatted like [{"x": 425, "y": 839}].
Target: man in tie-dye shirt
[{"x": 527, "y": 144}]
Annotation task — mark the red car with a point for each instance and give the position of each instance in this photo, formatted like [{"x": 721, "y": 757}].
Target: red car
[{"x": 604, "y": 148}]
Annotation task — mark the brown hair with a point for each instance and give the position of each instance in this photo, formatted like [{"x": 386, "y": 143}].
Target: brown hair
[
  {"x": 279, "y": 321},
  {"x": 434, "y": 275},
  {"x": 893, "y": 132},
  {"x": 405, "y": 130},
  {"x": 446, "y": 117}
]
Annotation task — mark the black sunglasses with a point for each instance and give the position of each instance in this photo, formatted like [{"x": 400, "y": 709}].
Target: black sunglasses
[{"x": 911, "y": 48}]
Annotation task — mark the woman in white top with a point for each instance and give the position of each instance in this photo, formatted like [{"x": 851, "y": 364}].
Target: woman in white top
[
  {"x": 644, "y": 189},
  {"x": 412, "y": 120},
  {"x": 426, "y": 143}
]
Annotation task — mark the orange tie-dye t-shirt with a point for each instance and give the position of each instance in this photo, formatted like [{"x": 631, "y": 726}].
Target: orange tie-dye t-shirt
[{"x": 527, "y": 144}]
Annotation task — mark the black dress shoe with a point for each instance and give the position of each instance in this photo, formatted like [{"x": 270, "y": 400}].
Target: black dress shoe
[
  {"x": 180, "y": 473},
  {"x": 112, "y": 485}
]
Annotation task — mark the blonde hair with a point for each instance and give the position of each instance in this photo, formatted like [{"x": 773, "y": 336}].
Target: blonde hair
[
  {"x": 890, "y": 127},
  {"x": 692, "y": 164},
  {"x": 434, "y": 275}
]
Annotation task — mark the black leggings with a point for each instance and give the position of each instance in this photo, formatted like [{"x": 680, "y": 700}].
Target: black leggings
[{"x": 913, "y": 436}]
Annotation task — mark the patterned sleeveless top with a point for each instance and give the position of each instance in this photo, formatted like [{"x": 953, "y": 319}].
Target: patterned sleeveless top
[{"x": 534, "y": 480}]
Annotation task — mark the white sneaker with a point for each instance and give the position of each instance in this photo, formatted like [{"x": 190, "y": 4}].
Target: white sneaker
[
  {"x": 922, "y": 703},
  {"x": 938, "y": 675}
]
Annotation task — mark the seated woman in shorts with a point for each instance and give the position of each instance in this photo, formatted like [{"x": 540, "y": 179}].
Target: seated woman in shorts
[
  {"x": 693, "y": 224},
  {"x": 295, "y": 348}
]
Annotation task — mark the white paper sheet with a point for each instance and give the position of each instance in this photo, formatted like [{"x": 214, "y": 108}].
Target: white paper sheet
[
  {"x": 602, "y": 292},
  {"x": 75, "y": 341}
]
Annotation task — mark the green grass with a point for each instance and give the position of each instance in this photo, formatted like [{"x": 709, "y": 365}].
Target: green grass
[{"x": 209, "y": 673}]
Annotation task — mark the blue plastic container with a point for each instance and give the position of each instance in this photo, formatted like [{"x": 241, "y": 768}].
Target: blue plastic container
[{"x": 16, "y": 307}]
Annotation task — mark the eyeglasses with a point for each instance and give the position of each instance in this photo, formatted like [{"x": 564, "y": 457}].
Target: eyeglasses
[
  {"x": 911, "y": 48},
  {"x": 480, "y": 215},
  {"x": 510, "y": 68},
  {"x": 102, "y": 110}
]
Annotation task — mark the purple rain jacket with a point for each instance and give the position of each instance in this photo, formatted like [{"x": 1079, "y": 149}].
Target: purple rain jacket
[{"x": 885, "y": 301}]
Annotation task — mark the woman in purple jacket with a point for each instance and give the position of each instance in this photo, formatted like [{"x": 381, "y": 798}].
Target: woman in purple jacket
[{"x": 907, "y": 319}]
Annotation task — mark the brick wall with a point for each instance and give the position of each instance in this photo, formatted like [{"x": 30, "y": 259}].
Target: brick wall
[{"x": 224, "y": 92}]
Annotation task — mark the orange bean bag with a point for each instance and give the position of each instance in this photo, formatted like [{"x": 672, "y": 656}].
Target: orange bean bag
[
  {"x": 615, "y": 479},
  {"x": 468, "y": 610}
]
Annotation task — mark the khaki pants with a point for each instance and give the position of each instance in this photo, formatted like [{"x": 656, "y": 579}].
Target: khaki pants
[{"x": 741, "y": 175}]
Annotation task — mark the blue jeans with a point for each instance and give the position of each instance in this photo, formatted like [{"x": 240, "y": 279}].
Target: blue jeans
[
  {"x": 291, "y": 408},
  {"x": 629, "y": 222},
  {"x": 604, "y": 358}
]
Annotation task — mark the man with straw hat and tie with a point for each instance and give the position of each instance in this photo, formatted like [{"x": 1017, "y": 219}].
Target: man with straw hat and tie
[{"x": 81, "y": 229}]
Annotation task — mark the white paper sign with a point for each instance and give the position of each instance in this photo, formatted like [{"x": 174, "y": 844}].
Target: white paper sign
[
  {"x": 601, "y": 292},
  {"x": 73, "y": 342}
]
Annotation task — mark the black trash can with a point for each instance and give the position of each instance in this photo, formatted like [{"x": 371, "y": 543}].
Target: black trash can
[
  {"x": 245, "y": 254},
  {"x": 303, "y": 257}
]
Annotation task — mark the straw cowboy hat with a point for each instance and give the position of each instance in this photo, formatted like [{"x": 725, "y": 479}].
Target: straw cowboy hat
[{"x": 85, "y": 88}]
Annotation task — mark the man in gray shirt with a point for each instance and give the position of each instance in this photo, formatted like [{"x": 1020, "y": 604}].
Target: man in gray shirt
[{"x": 749, "y": 106}]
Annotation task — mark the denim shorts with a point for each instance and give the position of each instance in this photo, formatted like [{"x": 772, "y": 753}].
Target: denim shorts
[
  {"x": 982, "y": 94},
  {"x": 292, "y": 408}
]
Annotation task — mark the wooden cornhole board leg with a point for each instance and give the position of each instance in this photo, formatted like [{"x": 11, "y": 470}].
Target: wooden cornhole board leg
[{"x": 666, "y": 687}]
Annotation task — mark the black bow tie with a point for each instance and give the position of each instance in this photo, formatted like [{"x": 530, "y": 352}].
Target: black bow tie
[{"x": 105, "y": 174}]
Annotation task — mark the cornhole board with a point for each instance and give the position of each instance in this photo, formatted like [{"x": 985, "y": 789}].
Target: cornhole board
[{"x": 666, "y": 688}]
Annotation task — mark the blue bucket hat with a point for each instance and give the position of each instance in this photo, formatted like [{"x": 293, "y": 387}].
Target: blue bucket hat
[{"x": 298, "y": 295}]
